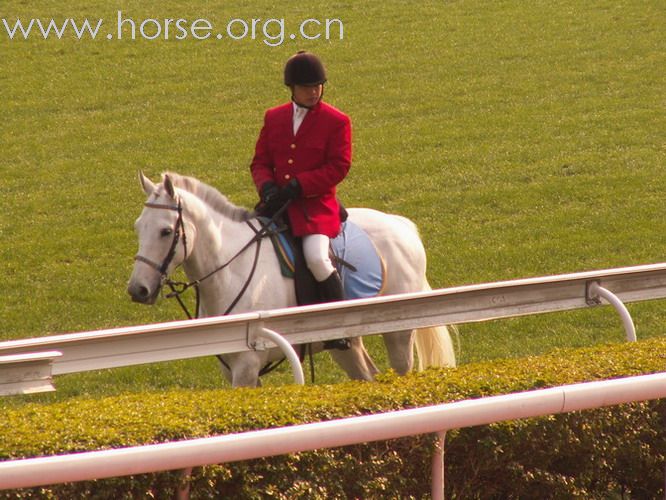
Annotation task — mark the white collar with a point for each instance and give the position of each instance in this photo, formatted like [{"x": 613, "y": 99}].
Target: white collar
[{"x": 299, "y": 110}]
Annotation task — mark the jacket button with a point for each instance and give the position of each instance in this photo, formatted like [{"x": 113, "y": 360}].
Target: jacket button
[
  {"x": 287, "y": 177},
  {"x": 293, "y": 146},
  {"x": 290, "y": 161}
]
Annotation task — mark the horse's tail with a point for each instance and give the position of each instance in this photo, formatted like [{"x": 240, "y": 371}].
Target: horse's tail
[{"x": 434, "y": 346}]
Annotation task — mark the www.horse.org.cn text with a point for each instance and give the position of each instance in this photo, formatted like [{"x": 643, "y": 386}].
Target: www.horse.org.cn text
[{"x": 272, "y": 32}]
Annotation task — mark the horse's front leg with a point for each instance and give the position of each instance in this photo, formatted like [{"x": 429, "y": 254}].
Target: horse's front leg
[
  {"x": 243, "y": 368},
  {"x": 355, "y": 361}
]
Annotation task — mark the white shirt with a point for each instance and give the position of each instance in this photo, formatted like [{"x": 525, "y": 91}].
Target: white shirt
[{"x": 299, "y": 115}]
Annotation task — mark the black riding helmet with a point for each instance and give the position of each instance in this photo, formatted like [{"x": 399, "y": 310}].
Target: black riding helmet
[{"x": 304, "y": 68}]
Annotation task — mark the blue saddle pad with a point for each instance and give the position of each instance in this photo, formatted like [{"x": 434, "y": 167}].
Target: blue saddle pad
[{"x": 354, "y": 247}]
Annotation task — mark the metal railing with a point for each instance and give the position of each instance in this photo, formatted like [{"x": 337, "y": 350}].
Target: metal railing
[
  {"x": 117, "y": 347},
  {"x": 182, "y": 455}
]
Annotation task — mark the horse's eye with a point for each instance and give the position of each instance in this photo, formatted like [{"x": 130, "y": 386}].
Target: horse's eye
[{"x": 167, "y": 231}]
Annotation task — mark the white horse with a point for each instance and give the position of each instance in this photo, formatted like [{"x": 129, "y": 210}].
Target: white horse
[{"x": 185, "y": 221}]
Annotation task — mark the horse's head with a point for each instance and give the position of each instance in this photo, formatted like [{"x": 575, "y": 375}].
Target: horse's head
[{"x": 164, "y": 239}]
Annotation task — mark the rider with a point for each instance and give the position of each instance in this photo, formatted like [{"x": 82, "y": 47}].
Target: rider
[{"x": 303, "y": 152}]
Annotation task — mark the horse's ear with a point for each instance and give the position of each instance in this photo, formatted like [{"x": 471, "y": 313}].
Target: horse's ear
[
  {"x": 146, "y": 184},
  {"x": 168, "y": 185}
]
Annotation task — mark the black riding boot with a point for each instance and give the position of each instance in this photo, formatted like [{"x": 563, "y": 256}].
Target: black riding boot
[{"x": 330, "y": 290}]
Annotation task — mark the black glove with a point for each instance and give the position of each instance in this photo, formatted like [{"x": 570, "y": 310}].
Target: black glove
[
  {"x": 274, "y": 198},
  {"x": 269, "y": 190},
  {"x": 291, "y": 191},
  {"x": 271, "y": 201}
]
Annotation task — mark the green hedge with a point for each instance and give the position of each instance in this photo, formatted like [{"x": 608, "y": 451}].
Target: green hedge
[{"x": 582, "y": 454}]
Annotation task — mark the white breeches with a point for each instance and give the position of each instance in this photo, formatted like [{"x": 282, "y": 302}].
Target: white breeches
[{"x": 315, "y": 248}]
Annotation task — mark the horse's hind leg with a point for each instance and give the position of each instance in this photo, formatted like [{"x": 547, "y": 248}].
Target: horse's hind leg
[
  {"x": 399, "y": 346},
  {"x": 355, "y": 361}
]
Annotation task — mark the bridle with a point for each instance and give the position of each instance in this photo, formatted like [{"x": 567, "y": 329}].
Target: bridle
[
  {"x": 178, "y": 233},
  {"x": 177, "y": 287}
]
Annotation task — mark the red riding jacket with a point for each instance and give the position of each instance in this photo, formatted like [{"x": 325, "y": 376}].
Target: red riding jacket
[{"x": 318, "y": 156}]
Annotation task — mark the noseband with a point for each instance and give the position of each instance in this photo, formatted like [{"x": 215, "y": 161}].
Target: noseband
[
  {"x": 178, "y": 233},
  {"x": 178, "y": 288}
]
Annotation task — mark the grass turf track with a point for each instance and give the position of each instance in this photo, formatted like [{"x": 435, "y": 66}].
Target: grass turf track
[{"x": 524, "y": 139}]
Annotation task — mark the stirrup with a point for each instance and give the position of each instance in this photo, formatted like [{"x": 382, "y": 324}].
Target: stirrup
[{"x": 340, "y": 344}]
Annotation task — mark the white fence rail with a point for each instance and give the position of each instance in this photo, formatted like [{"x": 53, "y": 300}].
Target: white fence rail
[
  {"x": 299, "y": 325},
  {"x": 270, "y": 442}
]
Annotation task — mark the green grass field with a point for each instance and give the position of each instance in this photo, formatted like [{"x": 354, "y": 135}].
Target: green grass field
[{"x": 523, "y": 138}]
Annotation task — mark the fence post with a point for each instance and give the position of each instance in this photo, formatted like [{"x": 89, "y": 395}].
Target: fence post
[
  {"x": 266, "y": 334},
  {"x": 183, "y": 491},
  {"x": 437, "y": 486},
  {"x": 594, "y": 291}
]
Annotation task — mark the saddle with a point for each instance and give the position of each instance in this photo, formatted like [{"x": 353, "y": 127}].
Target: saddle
[{"x": 358, "y": 262}]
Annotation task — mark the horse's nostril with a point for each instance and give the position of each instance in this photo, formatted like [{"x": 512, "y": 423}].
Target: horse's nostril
[{"x": 139, "y": 293}]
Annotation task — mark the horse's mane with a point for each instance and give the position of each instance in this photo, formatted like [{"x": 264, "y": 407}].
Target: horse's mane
[{"x": 211, "y": 196}]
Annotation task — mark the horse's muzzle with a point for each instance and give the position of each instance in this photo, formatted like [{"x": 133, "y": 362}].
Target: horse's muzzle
[{"x": 142, "y": 294}]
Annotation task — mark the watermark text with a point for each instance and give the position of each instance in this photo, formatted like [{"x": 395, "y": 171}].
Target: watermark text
[{"x": 272, "y": 31}]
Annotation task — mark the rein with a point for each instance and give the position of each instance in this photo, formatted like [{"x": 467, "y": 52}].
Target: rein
[
  {"x": 259, "y": 235},
  {"x": 178, "y": 287}
]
